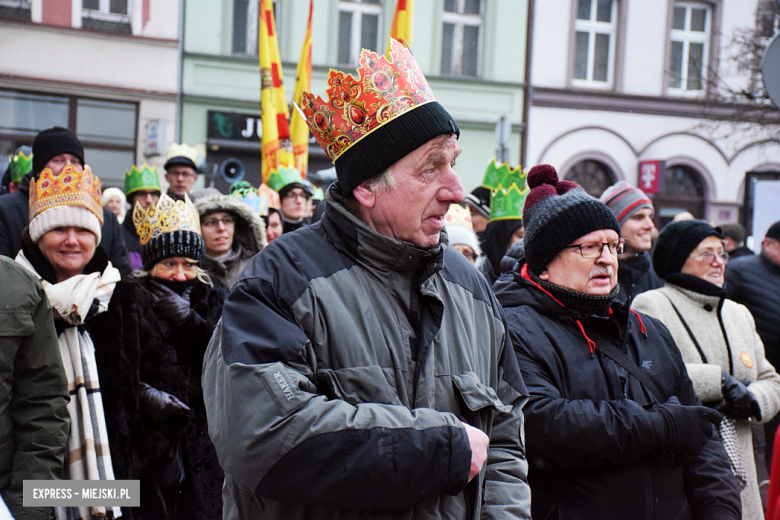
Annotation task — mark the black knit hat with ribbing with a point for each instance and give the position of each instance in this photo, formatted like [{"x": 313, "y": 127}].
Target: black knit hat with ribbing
[
  {"x": 391, "y": 142},
  {"x": 676, "y": 243},
  {"x": 52, "y": 142},
  {"x": 556, "y": 213},
  {"x": 179, "y": 243}
]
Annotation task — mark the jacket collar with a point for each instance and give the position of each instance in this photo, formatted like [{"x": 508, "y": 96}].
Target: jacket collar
[{"x": 368, "y": 247}]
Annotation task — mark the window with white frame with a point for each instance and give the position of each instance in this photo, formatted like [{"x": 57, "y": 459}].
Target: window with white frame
[
  {"x": 595, "y": 30},
  {"x": 690, "y": 47},
  {"x": 461, "y": 37},
  {"x": 246, "y": 24},
  {"x": 106, "y": 10},
  {"x": 359, "y": 25}
]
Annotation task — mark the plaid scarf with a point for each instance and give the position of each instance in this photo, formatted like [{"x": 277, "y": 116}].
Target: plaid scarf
[
  {"x": 730, "y": 441},
  {"x": 89, "y": 457}
]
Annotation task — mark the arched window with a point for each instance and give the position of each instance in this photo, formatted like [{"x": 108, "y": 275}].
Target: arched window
[
  {"x": 682, "y": 189},
  {"x": 593, "y": 176}
]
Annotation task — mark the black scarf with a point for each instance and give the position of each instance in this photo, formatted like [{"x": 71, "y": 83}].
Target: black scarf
[
  {"x": 696, "y": 284},
  {"x": 577, "y": 302}
]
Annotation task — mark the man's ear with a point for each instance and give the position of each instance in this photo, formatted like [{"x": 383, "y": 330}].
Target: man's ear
[
  {"x": 544, "y": 275},
  {"x": 365, "y": 195}
]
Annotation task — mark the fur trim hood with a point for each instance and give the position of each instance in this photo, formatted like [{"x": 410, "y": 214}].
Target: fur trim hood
[{"x": 250, "y": 228}]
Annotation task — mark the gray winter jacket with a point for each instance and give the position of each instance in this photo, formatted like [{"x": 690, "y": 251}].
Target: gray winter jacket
[
  {"x": 248, "y": 240},
  {"x": 343, "y": 370}
]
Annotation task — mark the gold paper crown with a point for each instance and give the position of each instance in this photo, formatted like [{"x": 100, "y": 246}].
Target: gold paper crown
[
  {"x": 69, "y": 188},
  {"x": 385, "y": 89},
  {"x": 183, "y": 150},
  {"x": 458, "y": 216},
  {"x": 166, "y": 216}
]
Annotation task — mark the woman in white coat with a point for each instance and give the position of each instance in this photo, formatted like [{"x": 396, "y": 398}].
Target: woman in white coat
[{"x": 718, "y": 341}]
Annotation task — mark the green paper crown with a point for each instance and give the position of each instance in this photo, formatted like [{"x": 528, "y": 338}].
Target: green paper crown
[
  {"x": 21, "y": 165},
  {"x": 241, "y": 189},
  {"x": 495, "y": 173},
  {"x": 145, "y": 178},
  {"x": 507, "y": 202},
  {"x": 282, "y": 177}
]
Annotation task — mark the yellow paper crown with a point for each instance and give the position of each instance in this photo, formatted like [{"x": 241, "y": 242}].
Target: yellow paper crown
[
  {"x": 183, "y": 150},
  {"x": 458, "y": 216},
  {"x": 69, "y": 188},
  {"x": 166, "y": 216}
]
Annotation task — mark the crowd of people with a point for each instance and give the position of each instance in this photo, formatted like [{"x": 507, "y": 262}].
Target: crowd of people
[{"x": 404, "y": 350}]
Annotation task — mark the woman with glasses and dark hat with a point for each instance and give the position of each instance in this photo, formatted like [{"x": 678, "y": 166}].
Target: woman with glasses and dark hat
[
  {"x": 188, "y": 306},
  {"x": 717, "y": 337}
]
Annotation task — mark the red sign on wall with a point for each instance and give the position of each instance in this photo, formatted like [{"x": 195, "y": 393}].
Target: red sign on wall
[{"x": 650, "y": 176}]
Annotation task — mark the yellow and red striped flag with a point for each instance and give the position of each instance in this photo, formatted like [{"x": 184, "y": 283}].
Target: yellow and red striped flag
[
  {"x": 403, "y": 25},
  {"x": 277, "y": 147},
  {"x": 299, "y": 130}
]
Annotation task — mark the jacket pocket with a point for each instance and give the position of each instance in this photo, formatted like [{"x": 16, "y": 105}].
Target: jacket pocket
[
  {"x": 477, "y": 395},
  {"x": 16, "y": 324},
  {"x": 357, "y": 385}
]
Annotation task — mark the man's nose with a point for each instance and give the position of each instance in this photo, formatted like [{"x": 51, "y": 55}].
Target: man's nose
[{"x": 454, "y": 188}]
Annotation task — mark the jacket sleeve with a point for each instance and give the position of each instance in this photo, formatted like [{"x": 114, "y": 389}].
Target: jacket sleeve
[
  {"x": 709, "y": 483},
  {"x": 38, "y": 408},
  {"x": 766, "y": 387},
  {"x": 608, "y": 433},
  {"x": 278, "y": 438},
  {"x": 506, "y": 491}
]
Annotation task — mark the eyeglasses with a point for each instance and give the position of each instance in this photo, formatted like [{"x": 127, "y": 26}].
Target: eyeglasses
[
  {"x": 291, "y": 195},
  {"x": 708, "y": 257},
  {"x": 213, "y": 222},
  {"x": 181, "y": 174},
  {"x": 593, "y": 250}
]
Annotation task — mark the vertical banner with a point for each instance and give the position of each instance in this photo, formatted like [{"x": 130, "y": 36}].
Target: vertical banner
[
  {"x": 299, "y": 130},
  {"x": 277, "y": 146},
  {"x": 403, "y": 25},
  {"x": 649, "y": 179}
]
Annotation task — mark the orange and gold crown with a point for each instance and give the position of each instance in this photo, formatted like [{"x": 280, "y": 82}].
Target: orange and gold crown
[
  {"x": 166, "y": 216},
  {"x": 385, "y": 89},
  {"x": 69, "y": 188}
]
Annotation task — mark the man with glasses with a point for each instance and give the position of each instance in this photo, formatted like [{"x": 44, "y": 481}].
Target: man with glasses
[
  {"x": 295, "y": 196},
  {"x": 181, "y": 170},
  {"x": 754, "y": 281},
  {"x": 232, "y": 234},
  {"x": 142, "y": 186},
  {"x": 613, "y": 425}
]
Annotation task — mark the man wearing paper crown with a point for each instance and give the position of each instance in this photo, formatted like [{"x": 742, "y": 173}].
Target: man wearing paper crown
[
  {"x": 506, "y": 216},
  {"x": 294, "y": 195},
  {"x": 362, "y": 366},
  {"x": 181, "y": 170},
  {"x": 54, "y": 149},
  {"x": 142, "y": 185}
]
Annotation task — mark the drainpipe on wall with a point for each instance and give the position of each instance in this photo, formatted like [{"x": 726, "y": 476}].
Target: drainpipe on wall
[
  {"x": 180, "y": 73},
  {"x": 528, "y": 91}
]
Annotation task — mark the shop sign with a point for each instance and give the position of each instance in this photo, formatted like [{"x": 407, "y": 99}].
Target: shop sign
[
  {"x": 234, "y": 127},
  {"x": 650, "y": 176}
]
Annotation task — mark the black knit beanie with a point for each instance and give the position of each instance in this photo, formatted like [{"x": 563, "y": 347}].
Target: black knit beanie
[
  {"x": 556, "y": 213},
  {"x": 773, "y": 231},
  {"x": 479, "y": 199},
  {"x": 170, "y": 245},
  {"x": 53, "y": 142},
  {"x": 676, "y": 242},
  {"x": 391, "y": 142}
]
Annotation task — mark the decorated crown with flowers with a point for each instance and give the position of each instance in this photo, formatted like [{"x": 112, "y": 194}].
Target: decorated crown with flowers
[
  {"x": 69, "y": 188},
  {"x": 386, "y": 87},
  {"x": 166, "y": 216}
]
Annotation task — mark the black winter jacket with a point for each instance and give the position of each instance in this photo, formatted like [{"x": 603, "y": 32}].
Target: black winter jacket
[
  {"x": 635, "y": 276},
  {"x": 593, "y": 443},
  {"x": 754, "y": 281},
  {"x": 15, "y": 216}
]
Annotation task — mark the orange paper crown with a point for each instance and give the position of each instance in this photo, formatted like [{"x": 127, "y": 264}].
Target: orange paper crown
[
  {"x": 69, "y": 188},
  {"x": 385, "y": 89}
]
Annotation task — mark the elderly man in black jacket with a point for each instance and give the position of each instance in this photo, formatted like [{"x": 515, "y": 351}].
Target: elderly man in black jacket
[
  {"x": 613, "y": 426},
  {"x": 55, "y": 149}
]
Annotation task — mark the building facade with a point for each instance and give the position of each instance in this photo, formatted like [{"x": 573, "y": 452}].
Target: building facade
[
  {"x": 471, "y": 51},
  {"x": 106, "y": 69},
  {"x": 628, "y": 90}
]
